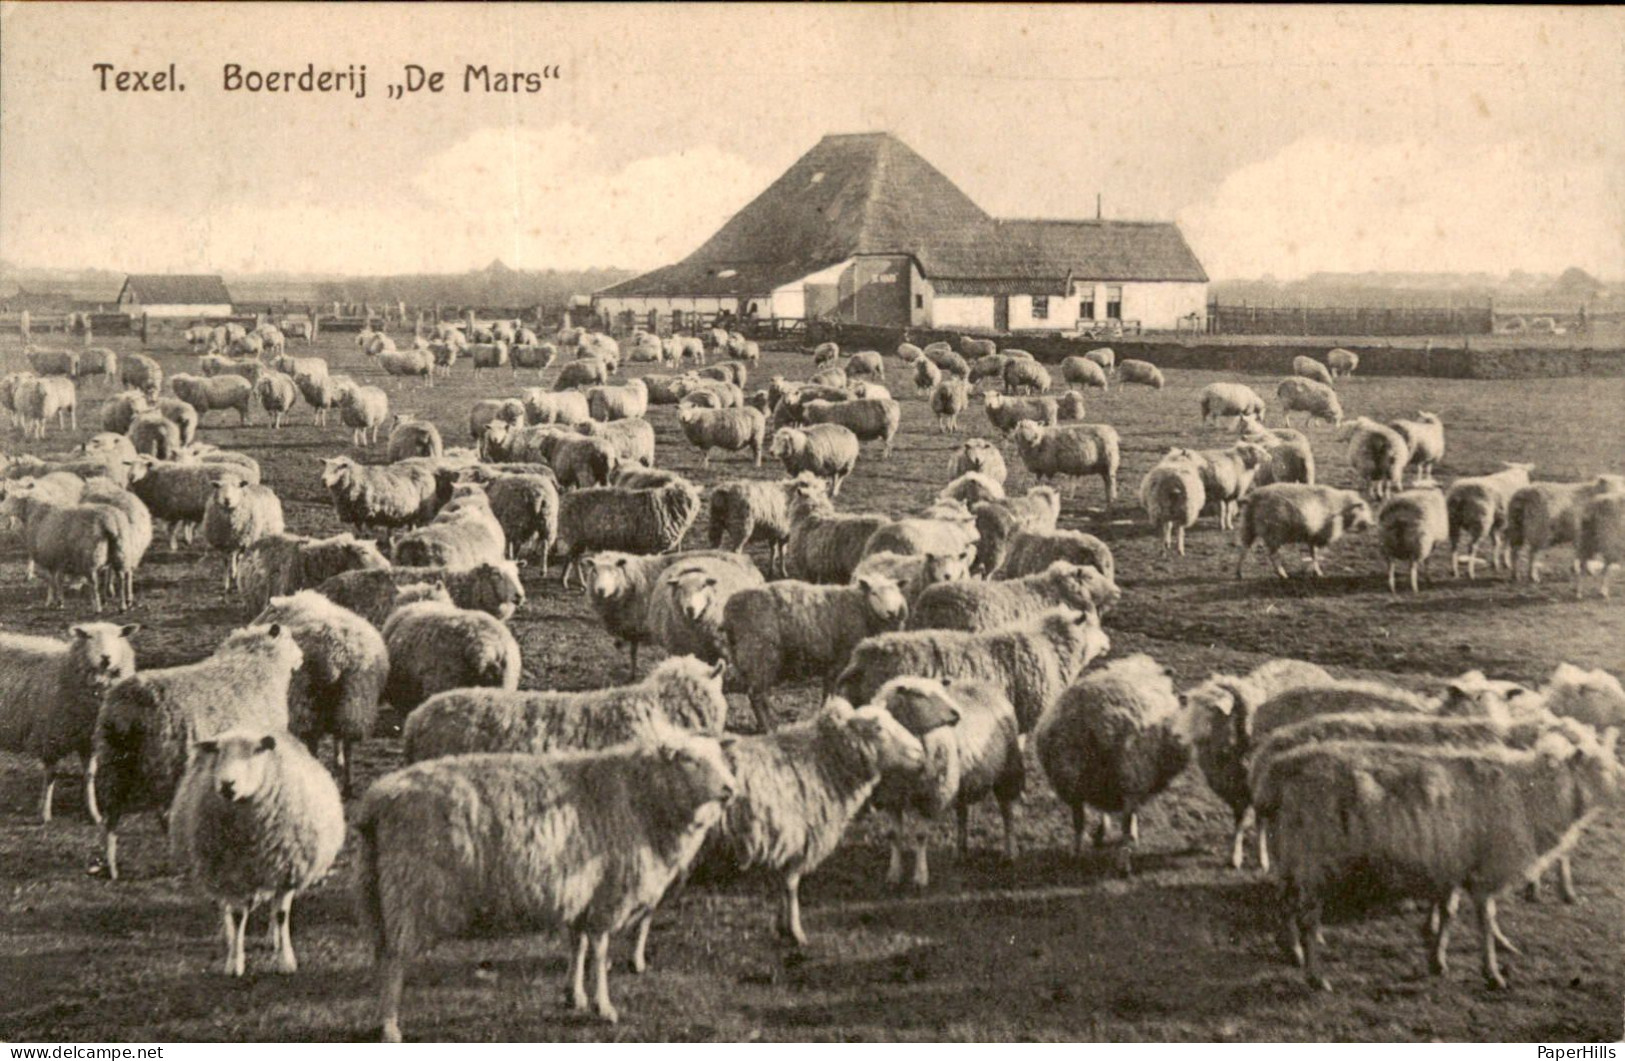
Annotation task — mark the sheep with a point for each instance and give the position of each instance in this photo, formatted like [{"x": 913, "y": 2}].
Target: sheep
[
  {"x": 1221, "y": 712},
  {"x": 584, "y": 461},
  {"x": 1082, "y": 372},
  {"x": 974, "y": 605},
  {"x": 927, "y": 376},
  {"x": 730, "y": 430},
  {"x": 1104, "y": 356},
  {"x": 109, "y": 446},
  {"x": 621, "y": 588},
  {"x": 863, "y": 389},
  {"x": 1173, "y": 496},
  {"x": 72, "y": 541},
  {"x": 51, "y": 690},
  {"x": 1601, "y": 539},
  {"x": 539, "y": 356},
  {"x": 99, "y": 361},
  {"x": 948, "y": 399},
  {"x": 238, "y": 515},
  {"x": 582, "y": 372},
  {"x": 1342, "y": 362},
  {"x": 1291, "y": 458},
  {"x": 997, "y": 523},
  {"x": 363, "y": 410},
  {"x": 411, "y": 437},
  {"x": 1378, "y": 454},
  {"x": 435, "y": 646},
  {"x": 463, "y": 533},
  {"x": 138, "y": 533},
  {"x": 1032, "y": 660},
  {"x": 1310, "y": 369},
  {"x": 752, "y": 511},
  {"x": 975, "y": 755},
  {"x": 1227, "y": 474},
  {"x": 1494, "y": 815},
  {"x": 322, "y": 392},
  {"x": 1021, "y": 374},
  {"x": 527, "y": 508},
  {"x": 715, "y": 394},
  {"x": 953, "y": 533},
  {"x": 613, "y": 830},
  {"x": 824, "y": 545},
  {"x": 870, "y": 419},
  {"x": 489, "y": 355},
  {"x": 1478, "y": 510},
  {"x": 255, "y": 818},
  {"x": 1286, "y": 513},
  {"x": 792, "y": 629},
  {"x": 277, "y": 394},
  {"x": 973, "y": 488},
  {"x": 681, "y": 692},
  {"x": 121, "y": 409},
  {"x": 630, "y": 399},
  {"x": 685, "y": 605},
  {"x": 733, "y": 372},
  {"x": 1113, "y": 741},
  {"x": 825, "y": 353},
  {"x": 980, "y": 456},
  {"x": 43, "y": 398},
  {"x": 179, "y": 494},
  {"x": 637, "y": 477},
  {"x": 1030, "y": 551},
  {"x": 1069, "y": 408},
  {"x": 374, "y": 592},
  {"x": 914, "y": 573},
  {"x": 250, "y": 368},
  {"x": 828, "y": 451},
  {"x": 408, "y": 363},
  {"x": 1542, "y": 515},
  {"x": 1070, "y": 449},
  {"x": 799, "y": 788},
  {"x": 1142, "y": 372},
  {"x": 908, "y": 353},
  {"x": 865, "y": 363},
  {"x": 988, "y": 366},
  {"x": 182, "y": 415},
  {"x": 633, "y": 440},
  {"x": 1220, "y": 400},
  {"x": 1005, "y": 413},
  {"x": 976, "y": 347},
  {"x": 279, "y": 565},
  {"x": 53, "y": 362},
  {"x": 147, "y": 720},
  {"x": 1316, "y": 400},
  {"x": 289, "y": 365},
  {"x": 142, "y": 373},
  {"x": 208, "y": 393},
  {"x": 387, "y": 496},
  {"x": 1409, "y": 525},
  {"x": 632, "y": 521}
]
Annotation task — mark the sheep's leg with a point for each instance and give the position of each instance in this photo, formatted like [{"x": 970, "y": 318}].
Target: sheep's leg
[
  {"x": 110, "y": 852},
  {"x": 282, "y": 926},
  {"x": 1392, "y": 566},
  {"x": 1100, "y": 831},
  {"x": 1565, "y": 883},
  {"x": 237, "y": 959},
  {"x": 1263, "y": 845},
  {"x": 1534, "y": 566},
  {"x": 600, "y": 965},
  {"x": 47, "y": 790},
  {"x": 1238, "y": 841},
  {"x": 1275, "y": 561},
  {"x": 1416, "y": 574},
  {"x": 1488, "y": 929},
  {"x": 1007, "y": 812},
  {"x": 341, "y": 751},
  {"x": 640, "y": 948},
  {"x": 1607, "y": 569},
  {"x": 1437, "y": 930},
  {"x": 1179, "y": 534},
  {"x": 1241, "y": 558},
  {"x": 764, "y": 712},
  {"x": 1307, "y": 916},
  {"x": 95, "y": 593},
  {"x": 962, "y": 827},
  {"x": 922, "y": 863},
  {"x": 1167, "y": 537},
  {"x": 577, "y": 986},
  {"x": 894, "y": 840},
  {"x": 1579, "y": 577},
  {"x": 1314, "y": 561},
  {"x": 792, "y": 909}
]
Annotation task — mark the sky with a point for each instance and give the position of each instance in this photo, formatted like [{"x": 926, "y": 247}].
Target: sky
[{"x": 1284, "y": 141}]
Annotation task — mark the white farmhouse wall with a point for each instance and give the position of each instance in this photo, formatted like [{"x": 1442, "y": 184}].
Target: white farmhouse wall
[
  {"x": 219, "y": 309},
  {"x": 962, "y": 311},
  {"x": 1160, "y": 305}
]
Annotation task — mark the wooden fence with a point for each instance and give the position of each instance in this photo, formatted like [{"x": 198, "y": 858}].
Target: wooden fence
[{"x": 1244, "y": 319}]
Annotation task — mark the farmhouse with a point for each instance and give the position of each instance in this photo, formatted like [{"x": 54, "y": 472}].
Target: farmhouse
[
  {"x": 863, "y": 230},
  {"x": 159, "y": 295}
]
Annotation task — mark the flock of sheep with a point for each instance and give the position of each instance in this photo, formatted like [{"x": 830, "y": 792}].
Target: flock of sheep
[{"x": 945, "y": 640}]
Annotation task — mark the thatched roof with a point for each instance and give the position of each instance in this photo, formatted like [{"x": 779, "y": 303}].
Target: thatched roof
[
  {"x": 160, "y": 289},
  {"x": 869, "y": 193}
]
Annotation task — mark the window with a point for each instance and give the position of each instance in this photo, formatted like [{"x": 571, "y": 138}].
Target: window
[
  {"x": 1086, "y": 302},
  {"x": 919, "y": 301},
  {"x": 1040, "y": 307},
  {"x": 1114, "y": 302}
]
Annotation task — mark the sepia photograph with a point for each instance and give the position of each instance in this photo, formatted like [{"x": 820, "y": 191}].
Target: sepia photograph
[{"x": 781, "y": 522}]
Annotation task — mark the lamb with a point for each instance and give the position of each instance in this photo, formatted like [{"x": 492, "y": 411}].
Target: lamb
[
  {"x": 255, "y": 818},
  {"x": 1409, "y": 525},
  {"x": 974, "y": 605},
  {"x": 1142, "y": 372},
  {"x": 1022, "y": 374},
  {"x": 463, "y": 533},
  {"x": 1478, "y": 510},
  {"x": 799, "y": 788},
  {"x": 527, "y": 508},
  {"x": 1113, "y": 741},
  {"x": 1316, "y": 400},
  {"x": 1542, "y": 515},
  {"x": 238, "y": 515},
  {"x": 435, "y": 646},
  {"x": 1378, "y": 454},
  {"x": 1601, "y": 539},
  {"x": 1495, "y": 816},
  {"x": 1006, "y": 413},
  {"x": 408, "y": 363},
  {"x": 828, "y": 451},
  {"x": 208, "y": 393},
  {"x": 630, "y": 399},
  {"x": 685, "y": 605},
  {"x": 279, "y": 565},
  {"x": 1032, "y": 661},
  {"x": 731, "y": 430},
  {"x": 981, "y": 456},
  {"x": 363, "y": 410},
  {"x": 825, "y": 545},
  {"x": 336, "y": 690},
  {"x": 1227, "y": 474},
  {"x": 582, "y": 372},
  {"x": 1288, "y": 513},
  {"x": 1310, "y": 369},
  {"x": 632, "y": 440},
  {"x": 972, "y": 489},
  {"x": 791, "y": 629},
  {"x": 387, "y": 496},
  {"x": 374, "y": 592},
  {"x": 1230, "y": 399},
  {"x": 1425, "y": 438},
  {"x": 1291, "y": 458},
  {"x": 142, "y": 373},
  {"x": 1173, "y": 496},
  {"x": 948, "y": 399},
  {"x": 1071, "y": 449},
  {"x": 681, "y": 693},
  {"x": 632, "y": 521},
  {"x": 565, "y": 407},
  {"x": 441, "y": 850},
  {"x": 1082, "y": 372},
  {"x": 74, "y": 541},
  {"x": 1221, "y": 714},
  {"x": 997, "y": 522},
  {"x": 51, "y": 690},
  {"x": 182, "y": 415},
  {"x": 411, "y": 437},
  {"x": 978, "y": 754},
  {"x": 927, "y": 376},
  {"x": 44, "y": 398},
  {"x": 1342, "y": 362},
  {"x": 870, "y": 419},
  {"x": 1029, "y": 552},
  {"x": 148, "y": 719}
]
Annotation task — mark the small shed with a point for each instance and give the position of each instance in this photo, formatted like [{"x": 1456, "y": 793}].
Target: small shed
[{"x": 159, "y": 295}]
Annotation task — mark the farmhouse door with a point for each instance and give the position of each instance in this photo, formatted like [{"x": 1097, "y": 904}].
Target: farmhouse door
[{"x": 1001, "y": 313}]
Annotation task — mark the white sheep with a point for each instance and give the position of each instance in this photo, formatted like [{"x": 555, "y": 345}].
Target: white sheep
[
  {"x": 1227, "y": 474},
  {"x": 1378, "y": 454},
  {"x": 630, "y": 399},
  {"x": 752, "y": 511},
  {"x": 731, "y": 430},
  {"x": 825, "y": 545},
  {"x": 1601, "y": 539},
  {"x": 686, "y": 603},
  {"x": 1409, "y": 525},
  {"x": 972, "y": 488},
  {"x": 464, "y": 532},
  {"x": 1031, "y": 549},
  {"x": 974, "y": 604},
  {"x": 1309, "y": 368},
  {"x": 645, "y": 521},
  {"x": 1173, "y": 496},
  {"x": 1478, "y": 510},
  {"x": 1542, "y": 515},
  {"x": 1072, "y": 450},
  {"x": 1317, "y": 401},
  {"x": 1342, "y": 362},
  {"x": 1080, "y": 371},
  {"x": 621, "y": 587},
  {"x": 1141, "y": 372},
  {"x": 981, "y": 456},
  {"x": 411, "y": 437},
  {"x": 1220, "y": 400},
  {"x": 948, "y": 399},
  {"x": 1425, "y": 437},
  {"x": 434, "y": 647},
  {"x": 1004, "y": 413},
  {"x": 238, "y": 515},
  {"x": 1289, "y": 513}
]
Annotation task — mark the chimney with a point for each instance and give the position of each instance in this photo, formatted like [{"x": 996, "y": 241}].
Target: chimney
[{"x": 1097, "y": 206}]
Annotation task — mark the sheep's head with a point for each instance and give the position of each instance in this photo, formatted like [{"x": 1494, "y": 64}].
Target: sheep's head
[
  {"x": 1356, "y": 512},
  {"x": 228, "y": 491},
  {"x": 1028, "y": 433},
  {"x": 787, "y": 441},
  {"x": 888, "y": 610},
  {"x": 920, "y": 705},
  {"x": 1594, "y": 697},
  {"x": 1251, "y": 454},
  {"x": 694, "y": 592},
  {"x": 336, "y": 470},
  {"x": 106, "y": 648},
  {"x": 271, "y": 639},
  {"x": 1474, "y": 696},
  {"x": 885, "y": 743},
  {"x": 238, "y": 763},
  {"x": 947, "y": 567},
  {"x": 608, "y": 576}
]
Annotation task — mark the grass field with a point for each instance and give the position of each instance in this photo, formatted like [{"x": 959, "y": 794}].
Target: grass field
[{"x": 1048, "y": 948}]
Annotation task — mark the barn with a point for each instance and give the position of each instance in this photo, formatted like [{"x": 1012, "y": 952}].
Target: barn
[
  {"x": 166, "y": 295},
  {"x": 863, "y": 230}
]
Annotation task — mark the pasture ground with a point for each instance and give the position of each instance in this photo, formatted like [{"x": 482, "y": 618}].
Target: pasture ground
[{"x": 1048, "y": 948}]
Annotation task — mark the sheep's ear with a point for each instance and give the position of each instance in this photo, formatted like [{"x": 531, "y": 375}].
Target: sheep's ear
[
  {"x": 622, "y": 562},
  {"x": 206, "y": 747},
  {"x": 267, "y": 743},
  {"x": 719, "y": 668},
  {"x": 275, "y": 630},
  {"x": 79, "y": 632},
  {"x": 521, "y": 563},
  {"x": 727, "y": 741},
  {"x": 129, "y": 629}
]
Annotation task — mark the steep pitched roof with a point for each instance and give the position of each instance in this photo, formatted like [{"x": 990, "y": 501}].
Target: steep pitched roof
[
  {"x": 161, "y": 289},
  {"x": 1056, "y": 250}
]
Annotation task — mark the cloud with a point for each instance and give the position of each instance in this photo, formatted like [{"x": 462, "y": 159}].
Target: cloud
[{"x": 1330, "y": 205}]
